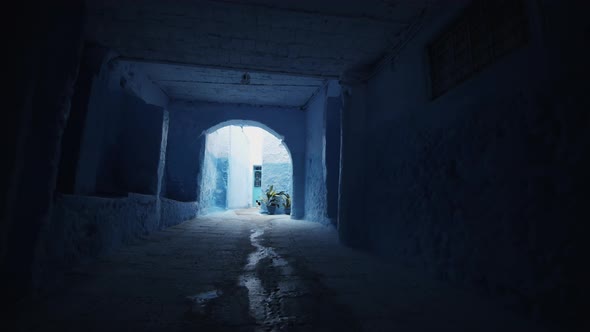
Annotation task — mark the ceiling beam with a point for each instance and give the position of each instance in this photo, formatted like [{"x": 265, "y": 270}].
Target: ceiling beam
[
  {"x": 199, "y": 65},
  {"x": 238, "y": 83}
]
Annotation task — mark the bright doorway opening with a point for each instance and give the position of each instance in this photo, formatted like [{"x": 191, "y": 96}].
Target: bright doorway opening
[{"x": 240, "y": 163}]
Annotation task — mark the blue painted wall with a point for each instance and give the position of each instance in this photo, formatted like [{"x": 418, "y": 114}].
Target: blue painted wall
[
  {"x": 221, "y": 181},
  {"x": 277, "y": 169},
  {"x": 483, "y": 186},
  {"x": 213, "y": 186},
  {"x": 316, "y": 192},
  {"x": 214, "y": 172},
  {"x": 278, "y": 175},
  {"x": 315, "y": 167}
]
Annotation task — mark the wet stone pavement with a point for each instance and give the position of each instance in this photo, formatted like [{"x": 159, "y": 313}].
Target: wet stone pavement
[{"x": 242, "y": 271}]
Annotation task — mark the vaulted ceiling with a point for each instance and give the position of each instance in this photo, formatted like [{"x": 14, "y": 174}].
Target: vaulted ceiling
[{"x": 200, "y": 49}]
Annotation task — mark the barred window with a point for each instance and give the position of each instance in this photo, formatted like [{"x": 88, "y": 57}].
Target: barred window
[{"x": 485, "y": 31}]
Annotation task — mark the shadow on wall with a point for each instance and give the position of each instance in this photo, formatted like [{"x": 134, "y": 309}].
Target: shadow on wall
[{"x": 486, "y": 185}]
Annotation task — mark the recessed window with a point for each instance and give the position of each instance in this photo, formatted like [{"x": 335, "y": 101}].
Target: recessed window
[{"x": 485, "y": 31}]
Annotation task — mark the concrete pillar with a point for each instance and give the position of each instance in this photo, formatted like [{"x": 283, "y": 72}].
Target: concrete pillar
[
  {"x": 185, "y": 151},
  {"x": 332, "y": 155},
  {"x": 298, "y": 199},
  {"x": 351, "y": 203}
]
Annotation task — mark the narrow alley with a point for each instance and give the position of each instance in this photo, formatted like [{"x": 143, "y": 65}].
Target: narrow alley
[{"x": 296, "y": 165}]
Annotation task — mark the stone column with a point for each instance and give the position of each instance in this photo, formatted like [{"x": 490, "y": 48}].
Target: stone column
[
  {"x": 298, "y": 199},
  {"x": 351, "y": 223}
]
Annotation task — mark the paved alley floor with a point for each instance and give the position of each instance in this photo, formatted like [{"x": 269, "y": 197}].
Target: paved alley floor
[{"x": 242, "y": 271}]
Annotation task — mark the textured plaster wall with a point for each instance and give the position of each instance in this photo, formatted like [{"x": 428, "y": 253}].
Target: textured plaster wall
[
  {"x": 277, "y": 169},
  {"x": 86, "y": 227},
  {"x": 208, "y": 184},
  {"x": 174, "y": 212},
  {"x": 315, "y": 167},
  {"x": 273, "y": 150},
  {"x": 218, "y": 143},
  {"x": 213, "y": 185},
  {"x": 214, "y": 171},
  {"x": 486, "y": 185},
  {"x": 185, "y": 153},
  {"x": 277, "y": 175}
]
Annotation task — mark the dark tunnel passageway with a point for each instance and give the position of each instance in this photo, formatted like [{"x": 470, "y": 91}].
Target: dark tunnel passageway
[{"x": 439, "y": 156}]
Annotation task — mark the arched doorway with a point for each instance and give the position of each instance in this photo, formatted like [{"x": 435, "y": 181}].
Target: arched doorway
[{"x": 241, "y": 160}]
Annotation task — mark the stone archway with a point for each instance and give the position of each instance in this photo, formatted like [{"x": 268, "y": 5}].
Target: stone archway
[{"x": 231, "y": 151}]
